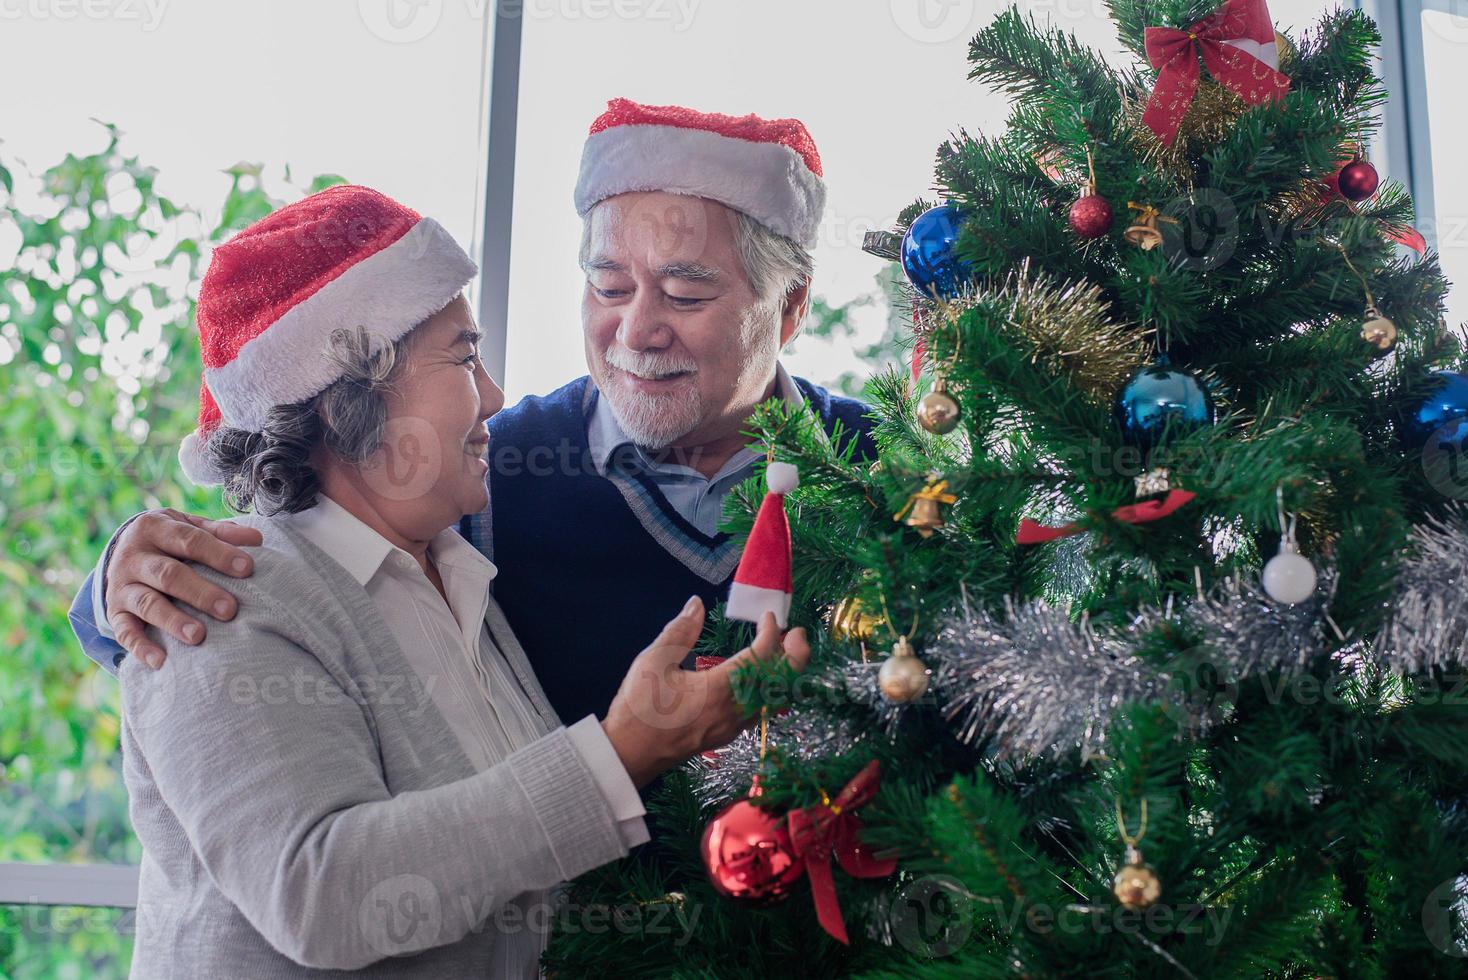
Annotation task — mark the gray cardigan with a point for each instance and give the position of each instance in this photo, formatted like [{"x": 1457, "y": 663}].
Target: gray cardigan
[{"x": 304, "y": 807}]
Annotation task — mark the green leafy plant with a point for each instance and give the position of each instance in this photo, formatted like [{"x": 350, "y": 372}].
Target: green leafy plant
[{"x": 99, "y": 366}]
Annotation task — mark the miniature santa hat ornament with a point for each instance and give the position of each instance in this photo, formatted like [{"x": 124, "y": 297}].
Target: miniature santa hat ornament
[
  {"x": 768, "y": 169},
  {"x": 762, "y": 581},
  {"x": 275, "y": 294}
]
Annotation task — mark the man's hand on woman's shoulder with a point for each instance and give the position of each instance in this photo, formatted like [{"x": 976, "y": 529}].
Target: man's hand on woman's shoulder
[{"x": 148, "y": 572}]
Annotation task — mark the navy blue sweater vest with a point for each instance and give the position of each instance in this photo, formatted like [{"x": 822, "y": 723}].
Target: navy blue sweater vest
[{"x": 584, "y": 584}]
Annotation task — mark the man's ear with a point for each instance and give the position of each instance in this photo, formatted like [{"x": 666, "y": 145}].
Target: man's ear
[{"x": 792, "y": 314}]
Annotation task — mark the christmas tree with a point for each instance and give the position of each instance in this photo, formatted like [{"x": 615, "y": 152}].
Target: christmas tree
[{"x": 1140, "y": 650}]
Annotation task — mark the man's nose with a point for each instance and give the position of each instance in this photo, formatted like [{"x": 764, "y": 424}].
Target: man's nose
[{"x": 643, "y": 327}]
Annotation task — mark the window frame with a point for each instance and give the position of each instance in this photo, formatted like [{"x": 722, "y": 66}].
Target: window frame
[{"x": 1402, "y": 146}]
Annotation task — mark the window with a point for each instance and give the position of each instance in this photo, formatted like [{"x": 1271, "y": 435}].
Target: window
[
  {"x": 377, "y": 94},
  {"x": 1444, "y": 29}
]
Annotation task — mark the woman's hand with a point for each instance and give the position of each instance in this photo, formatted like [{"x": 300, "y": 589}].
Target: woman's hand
[{"x": 663, "y": 714}]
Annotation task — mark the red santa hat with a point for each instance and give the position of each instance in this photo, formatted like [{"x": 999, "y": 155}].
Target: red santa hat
[
  {"x": 762, "y": 582},
  {"x": 766, "y": 168},
  {"x": 347, "y": 256}
]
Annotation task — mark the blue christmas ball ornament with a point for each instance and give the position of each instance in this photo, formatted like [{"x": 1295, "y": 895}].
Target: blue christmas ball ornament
[
  {"x": 1443, "y": 412},
  {"x": 1162, "y": 397},
  {"x": 927, "y": 253}
]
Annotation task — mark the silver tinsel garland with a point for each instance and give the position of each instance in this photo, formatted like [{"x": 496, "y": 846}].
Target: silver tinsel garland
[
  {"x": 1035, "y": 679},
  {"x": 1427, "y": 625},
  {"x": 1038, "y": 682},
  {"x": 801, "y": 736}
]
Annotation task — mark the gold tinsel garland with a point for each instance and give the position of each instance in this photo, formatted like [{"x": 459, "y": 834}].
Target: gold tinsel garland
[
  {"x": 1065, "y": 327},
  {"x": 1209, "y": 119}
]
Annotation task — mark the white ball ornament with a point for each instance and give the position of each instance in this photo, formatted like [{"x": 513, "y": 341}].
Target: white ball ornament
[{"x": 1289, "y": 577}]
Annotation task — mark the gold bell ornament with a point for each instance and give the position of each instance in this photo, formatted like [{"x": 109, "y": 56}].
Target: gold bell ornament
[
  {"x": 924, "y": 509},
  {"x": 850, "y": 621},
  {"x": 1379, "y": 332},
  {"x": 1146, "y": 232}
]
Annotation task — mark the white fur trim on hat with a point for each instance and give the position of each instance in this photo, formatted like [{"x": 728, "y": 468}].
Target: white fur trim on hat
[
  {"x": 195, "y": 464},
  {"x": 770, "y": 182},
  {"x": 389, "y": 293},
  {"x": 749, "y": 603}
]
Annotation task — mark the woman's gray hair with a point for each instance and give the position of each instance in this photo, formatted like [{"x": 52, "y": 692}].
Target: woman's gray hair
[
  {"x": 270, "y": 471},
  {"x": 773, "y": 263}
]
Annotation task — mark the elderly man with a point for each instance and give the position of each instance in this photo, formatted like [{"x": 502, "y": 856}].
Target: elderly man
[{"x": 605, "y": 495}]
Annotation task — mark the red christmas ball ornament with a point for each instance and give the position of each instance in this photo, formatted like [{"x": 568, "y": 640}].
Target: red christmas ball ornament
[
  {"x": 748, "y": 855},
  {"x": 1090, "y": 215},
  {"x": 1357, "y": 180}
]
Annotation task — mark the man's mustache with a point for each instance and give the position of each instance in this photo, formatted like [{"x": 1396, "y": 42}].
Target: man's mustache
[{"x": 645, "y": 364}]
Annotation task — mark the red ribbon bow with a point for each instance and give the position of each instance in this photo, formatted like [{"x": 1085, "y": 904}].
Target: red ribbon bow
[
  {"x": 1224, "y": 38},
  {"x": 1032, "y": 532},
  {"x": 818, "y": 832}
]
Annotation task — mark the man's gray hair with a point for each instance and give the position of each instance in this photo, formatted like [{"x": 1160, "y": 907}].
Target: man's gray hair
[
  {"x": 271, "y": 472},
  {"x": 773, "y": 263}
]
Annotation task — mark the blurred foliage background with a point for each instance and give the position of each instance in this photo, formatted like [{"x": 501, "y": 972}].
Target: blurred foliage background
[{"x": 99, "y": 368}]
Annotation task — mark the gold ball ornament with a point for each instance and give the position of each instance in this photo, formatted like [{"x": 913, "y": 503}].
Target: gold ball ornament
[
  {"x": 1137, "y": 885},
  {"x": 851, "y": 622},
  {"x": 939, "y": 412},
  {"x": 1379, "y": 332},
  {"x": 902, "y": 677}
]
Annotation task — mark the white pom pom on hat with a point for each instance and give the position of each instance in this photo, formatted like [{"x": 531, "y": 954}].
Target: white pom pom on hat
[{"x": 782, "y": 477}]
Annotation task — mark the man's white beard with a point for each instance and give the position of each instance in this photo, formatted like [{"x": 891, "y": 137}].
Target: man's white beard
[
  {"x": 658, "y": 421},
  {"x": 653, "y": 421}
]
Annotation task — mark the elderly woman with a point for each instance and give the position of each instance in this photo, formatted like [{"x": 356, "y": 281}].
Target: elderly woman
[{"x": 360, "y": 771}]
